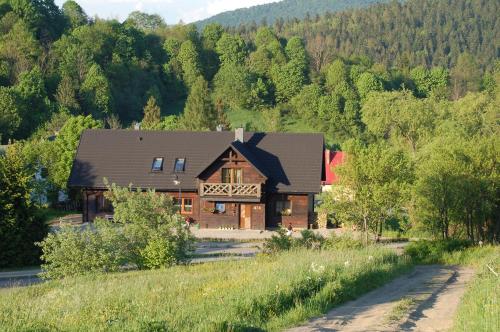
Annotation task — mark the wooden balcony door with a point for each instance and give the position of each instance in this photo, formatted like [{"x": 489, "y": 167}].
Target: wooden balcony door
[{"x": 245, "y": 216}]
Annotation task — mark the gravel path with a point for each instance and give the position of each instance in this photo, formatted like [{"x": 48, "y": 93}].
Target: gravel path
[{"x": 431, "y": 295}]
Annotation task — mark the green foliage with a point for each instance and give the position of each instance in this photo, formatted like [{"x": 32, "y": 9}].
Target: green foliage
[
  {"x": 431, "y": 252},
  {"x": 199, "y": 113},
  {"x": 189, "y": 59},
  {"x": 65, "y": 145},
  {"x": 10, "y": 118},
  {"x": 342, "y": 242},
  {"x": 288, "y": 80},
  {"x": 20, "y": 227},
  {"x": 145, "y": 22},
  {"x": 75, "y": 14},
  {"x": 374, "y": 186},
  {"x": 148, "y": 234},
  {"x": 277, "y": 243},
  {"x": 152, "y": 115},
  {"x": 231, "y": 49},
  {"x": 232, "y": 86},
  {"x": 96, "y": 93},
  {"x": 366, "y": 83}
]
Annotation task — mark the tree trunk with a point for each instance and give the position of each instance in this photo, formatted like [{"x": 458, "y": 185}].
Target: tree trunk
[{"x": 365, "y": 229}]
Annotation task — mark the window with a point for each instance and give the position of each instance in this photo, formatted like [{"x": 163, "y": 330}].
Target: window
[
  {"x": 220, "y": 207},
  {"x": 157, "y": 165},
  {"x": 179, "y": 165},
  {"x": 283, "y": 208},
  {"x": 232, "y": 175},
  {"x": 185, "y": 205}
]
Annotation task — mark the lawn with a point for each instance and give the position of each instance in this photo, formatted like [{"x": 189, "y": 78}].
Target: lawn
[{"x": 266, "y": 293}]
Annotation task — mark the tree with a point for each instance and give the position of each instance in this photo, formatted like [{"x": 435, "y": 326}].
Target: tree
[
  {"x": 20, "y": 228},
  {"x": 152, "y": 112},
  {"x": 145, "y": 22},
  {"x": 10, "y": 118},
  {"x": 465, "y": 76},
  {"x": 336, "y": 73},
  {"x": 66, "y": 96},
  {"x": 288, "y": 80},
  {"x": 75, "y": 14},
  {"x": 211, "y": 34},
  {"x": 231, "y": 49},
  {"x": 366, "y": 83},
  {"x": 35, "y": 107},
  {"x": 373, "y": 187},
  {"x": 190, "y": 62},
  {"x": 429, "y": 81},
  {"x": 400, "y": 117},
  {"x": 199, "y": 113},
  {"x": 264, "y": 37},
  {"x": 296, "y": 52},
  {"x": 96, "y": 93},
  {"x": 232, "y": 86},
  {"x": 65, "y": 146}
]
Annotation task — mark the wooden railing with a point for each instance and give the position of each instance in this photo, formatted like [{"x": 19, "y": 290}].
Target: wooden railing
[{"x": 230, "y": 189}]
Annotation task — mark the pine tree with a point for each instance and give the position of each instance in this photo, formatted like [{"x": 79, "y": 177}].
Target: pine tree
[
  {"x": 151, "y": 118},
  {"x": 199, "y": 113}
]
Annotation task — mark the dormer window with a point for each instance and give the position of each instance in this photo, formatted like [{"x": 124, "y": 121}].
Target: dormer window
[
  {"x": 179, "y": 165},
  {"x": 157, "y": 165}
]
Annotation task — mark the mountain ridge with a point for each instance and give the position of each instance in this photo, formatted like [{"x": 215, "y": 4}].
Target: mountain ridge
[{"x": 285, "y": 9}]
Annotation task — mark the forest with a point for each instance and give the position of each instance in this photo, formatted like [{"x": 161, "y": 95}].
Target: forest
[
  {"x": 409, "y": 90},
  {"x": 283, "y": 10}
]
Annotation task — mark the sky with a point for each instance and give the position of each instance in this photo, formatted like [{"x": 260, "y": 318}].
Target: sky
[{"x": 172, "y": 11}]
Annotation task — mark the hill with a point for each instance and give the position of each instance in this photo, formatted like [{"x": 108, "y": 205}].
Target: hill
[{"x": 285, "y": 9}]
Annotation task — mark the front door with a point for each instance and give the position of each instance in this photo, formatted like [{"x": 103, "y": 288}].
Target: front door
[{"x": 245, "y": 216}]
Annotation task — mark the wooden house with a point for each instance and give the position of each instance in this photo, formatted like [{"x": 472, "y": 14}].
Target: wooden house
[{"x": 218, "y": 179}]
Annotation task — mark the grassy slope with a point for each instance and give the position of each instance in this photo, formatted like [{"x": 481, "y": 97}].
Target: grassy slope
[{"x": 265, "y": 293}]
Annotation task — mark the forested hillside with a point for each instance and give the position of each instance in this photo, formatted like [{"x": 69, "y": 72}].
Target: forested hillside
[
  {"x": 283, "y": 10},
  {"x": 402, "y": 34}
]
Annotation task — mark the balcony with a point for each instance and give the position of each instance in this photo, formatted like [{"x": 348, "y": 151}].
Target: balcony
[{"x": 230, "y": 190}]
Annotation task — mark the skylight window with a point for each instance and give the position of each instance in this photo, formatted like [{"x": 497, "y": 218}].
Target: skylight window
[
  {"x": 179, "y": 165},
  {"x": 157, "y": 165}
]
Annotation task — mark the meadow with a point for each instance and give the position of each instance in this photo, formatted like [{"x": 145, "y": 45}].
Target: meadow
[{"x": 266, "y": 293}]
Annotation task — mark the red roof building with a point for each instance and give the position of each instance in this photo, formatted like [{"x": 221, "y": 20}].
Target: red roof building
[{"x": 332, "y": 160}]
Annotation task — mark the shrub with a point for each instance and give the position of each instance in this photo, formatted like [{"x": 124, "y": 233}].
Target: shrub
[
  {"x": 278, "y": 242},
  {"x": 73, "y": 251},
  {"x": 309, "y": 240},
  {"x": 148, "y": 234},
  {"x": 425, "y": 251}
]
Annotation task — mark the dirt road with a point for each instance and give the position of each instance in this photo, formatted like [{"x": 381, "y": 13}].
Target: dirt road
[{"x": 424, "y": 300}]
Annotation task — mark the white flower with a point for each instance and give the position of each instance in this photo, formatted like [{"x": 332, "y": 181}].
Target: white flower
[
  {"x": 346, "y": 263},
  {"x": 317, "y": 268},
  {"x": 370, "y": 258},
  {"x": 480, "y": 243}
]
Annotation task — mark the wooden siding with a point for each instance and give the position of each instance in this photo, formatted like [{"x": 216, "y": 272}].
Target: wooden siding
[{"x": 300, "y": 217}]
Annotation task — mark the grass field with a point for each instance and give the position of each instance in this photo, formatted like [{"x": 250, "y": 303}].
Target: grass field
[
  {"x": 480, "y": 306},
  {"x": 266, "y": 293}
]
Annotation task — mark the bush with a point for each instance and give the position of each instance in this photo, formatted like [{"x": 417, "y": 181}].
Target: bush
[
  {"x": 309, "y": 240},
  {"x": 73, "y": 251},
  {"x": 277, "y": 243},
  {"x": 148, "y": 234},
  {"x": 425, "y": 251}
]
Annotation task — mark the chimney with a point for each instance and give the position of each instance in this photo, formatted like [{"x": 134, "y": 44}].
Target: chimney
[{"x": 238, "y": 135}]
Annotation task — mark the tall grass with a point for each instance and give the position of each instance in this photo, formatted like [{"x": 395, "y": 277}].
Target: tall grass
[
  {"x": 268, "y": 293},
  {"x": 480, "y": 306}
]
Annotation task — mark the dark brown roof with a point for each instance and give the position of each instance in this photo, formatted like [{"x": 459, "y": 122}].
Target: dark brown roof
[{"x": 291, "y": 162}]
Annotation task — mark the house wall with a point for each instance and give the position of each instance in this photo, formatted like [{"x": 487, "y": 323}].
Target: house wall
[{"x": 301, "y": 211}]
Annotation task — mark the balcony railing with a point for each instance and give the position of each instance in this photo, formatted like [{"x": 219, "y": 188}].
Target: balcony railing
[{"x": 230, "y": 189}]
